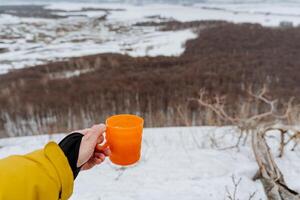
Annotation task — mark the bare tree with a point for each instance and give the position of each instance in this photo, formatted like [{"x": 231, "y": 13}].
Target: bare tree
[
  {"x": 271, "y": 177},
  {"x": 258, "y": 124},
  {"x": 246, "y": 122}
]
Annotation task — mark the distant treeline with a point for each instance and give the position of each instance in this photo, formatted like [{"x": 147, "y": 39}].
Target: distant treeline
[{"x": 224, "y": 59}]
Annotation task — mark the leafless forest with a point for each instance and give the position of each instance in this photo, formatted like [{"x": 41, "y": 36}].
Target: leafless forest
[{"x": 225, "y": 60}]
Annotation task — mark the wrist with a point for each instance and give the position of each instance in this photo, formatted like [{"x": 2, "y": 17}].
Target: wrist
[{"x": 70, "y": 145}]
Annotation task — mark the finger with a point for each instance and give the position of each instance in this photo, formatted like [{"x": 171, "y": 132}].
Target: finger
[
  {"x": 89, "y": 164},
  {"x": 86, "y": 166},
  {"x": 99, "y": 156},
  {"x": 98, "y": 160},
  {"x": 95, "y": 132},
  {"x": 93, "y": 162},
  {"x": 100, "y": 139},
  {"x": 107, "y": 151}
]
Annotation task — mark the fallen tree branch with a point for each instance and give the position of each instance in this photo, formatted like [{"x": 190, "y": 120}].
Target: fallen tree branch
[{"x": 269, "y": 174}]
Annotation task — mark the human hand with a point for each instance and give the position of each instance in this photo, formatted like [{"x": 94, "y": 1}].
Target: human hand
[{"x": 88, "y": 155}]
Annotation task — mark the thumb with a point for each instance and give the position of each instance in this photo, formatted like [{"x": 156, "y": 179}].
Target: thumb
[{"x": 95, "y": 132}]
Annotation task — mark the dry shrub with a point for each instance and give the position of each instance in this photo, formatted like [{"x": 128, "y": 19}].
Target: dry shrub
[{"x": 224, "y": 59}]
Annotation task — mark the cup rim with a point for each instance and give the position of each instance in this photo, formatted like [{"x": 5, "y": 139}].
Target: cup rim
[{"x": 132, "y": 115}]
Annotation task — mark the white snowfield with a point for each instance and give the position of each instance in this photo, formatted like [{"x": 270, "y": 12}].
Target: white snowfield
[
  {"x": 265, "y": 13},
  {"x": 32, "y": 41},
  {"x": 176, "y": 163}
]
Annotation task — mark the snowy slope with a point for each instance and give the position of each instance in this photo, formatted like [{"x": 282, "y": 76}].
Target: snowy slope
[
  {"x": 176, "y": 163},
  {"x": 33, "y": 41},
  {"x": 265, "y": 13}
]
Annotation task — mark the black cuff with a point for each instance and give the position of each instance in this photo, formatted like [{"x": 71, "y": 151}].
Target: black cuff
[{"x": 70, "y": 146}]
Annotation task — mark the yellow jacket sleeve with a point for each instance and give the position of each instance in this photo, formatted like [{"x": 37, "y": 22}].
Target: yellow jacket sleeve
[{"x": 41, "y": 175}]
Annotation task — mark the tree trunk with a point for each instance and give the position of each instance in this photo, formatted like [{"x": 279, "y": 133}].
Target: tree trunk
[{"x": 269, "y": 174}]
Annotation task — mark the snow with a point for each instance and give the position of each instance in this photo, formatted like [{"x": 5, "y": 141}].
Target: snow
[
  {"x": 176, "y": 163},
  {"x": 33, "y": 41},
  {"x": 68, "y": 6},
  {"x": 82, "y": 13},
  {"x": 8, "y": 19},
  {"x": 137, "y": 43},
  {"x": 268, "y": 14},
  {"x": 166, "y": 43},
  {"x": 278, "y": 8}
]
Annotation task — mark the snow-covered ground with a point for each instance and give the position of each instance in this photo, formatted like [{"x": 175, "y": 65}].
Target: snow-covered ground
[
  {"x": 32, "y": 41},
  {"x": 176, "y": 163},
  {"x": 268, "y": 14}
]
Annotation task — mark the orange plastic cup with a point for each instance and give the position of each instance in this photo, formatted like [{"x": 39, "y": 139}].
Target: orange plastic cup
[{"x": 124, "y": 138}]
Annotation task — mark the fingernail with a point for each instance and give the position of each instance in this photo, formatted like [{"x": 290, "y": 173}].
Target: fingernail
[{"x": 102, "y": 156}]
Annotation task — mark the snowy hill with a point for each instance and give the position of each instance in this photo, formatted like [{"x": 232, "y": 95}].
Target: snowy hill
[
  {"x": 176, "y": 163},
  {"x": 91, "y": 28}
]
